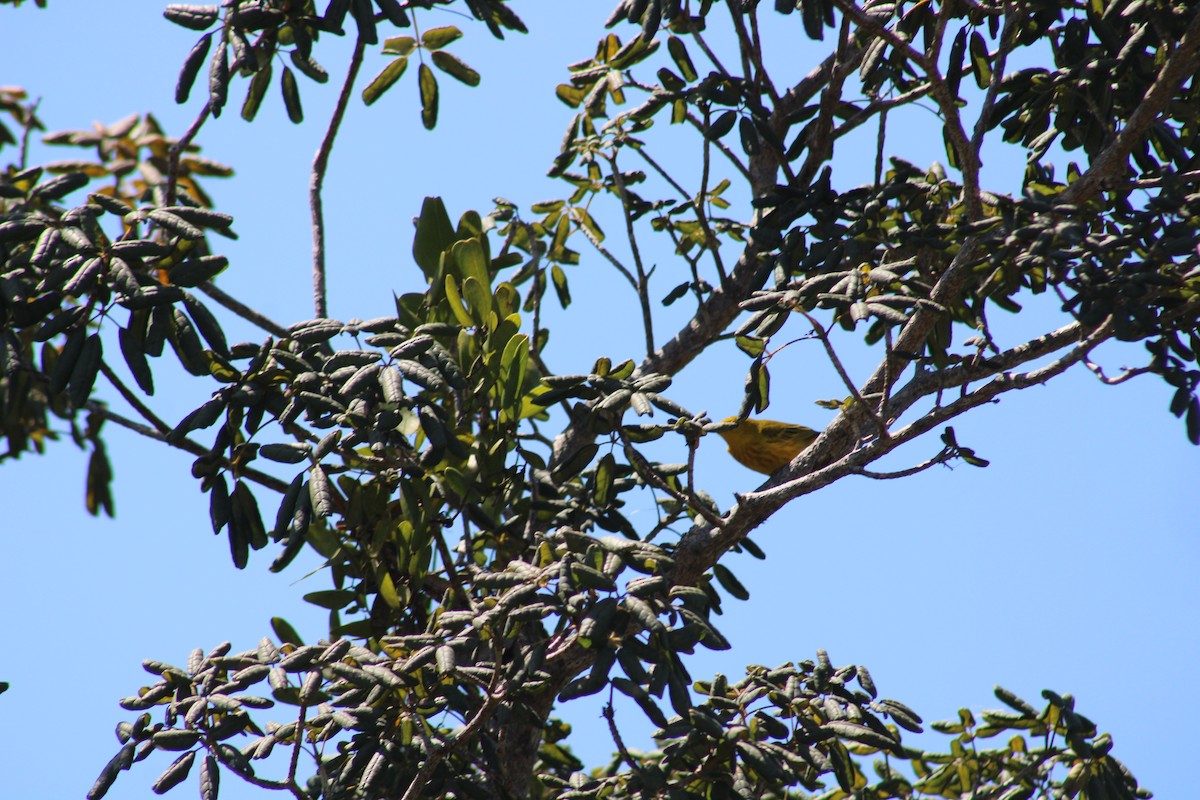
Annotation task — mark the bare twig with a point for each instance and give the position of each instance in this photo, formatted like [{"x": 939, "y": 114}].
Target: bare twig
[
  {"x": 1011, "y": 20},
  {"x": 242, "y": 310},
  {"x": 1125, "y": 375},
  {"x": 27, "y": 126},
  {"x": 133, "y": 399},
  {"x": 177, "y": 149},
  {"x": 823, "y": 335},
  {"x": 647, "y": 473},
  {"x": 610, "y": 258},
  {"x": 317, "y": 181},
  {"x": 295, "y": 760},
  {"x": 622, "y": 751},
  {"x": 940, "y": 458},
  {"x": 643, "y": 280},
  {"x": 699, "y": 125}
]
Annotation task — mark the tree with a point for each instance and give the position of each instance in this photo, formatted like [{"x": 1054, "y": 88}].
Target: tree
[{"x": 473, "y": 584}]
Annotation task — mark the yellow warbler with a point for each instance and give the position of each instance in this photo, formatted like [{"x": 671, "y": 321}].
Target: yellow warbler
[{"x": 764, "y": 445}]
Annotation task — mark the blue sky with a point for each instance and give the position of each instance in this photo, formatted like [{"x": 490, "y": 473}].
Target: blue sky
[{"x": 1068, "y": 564}]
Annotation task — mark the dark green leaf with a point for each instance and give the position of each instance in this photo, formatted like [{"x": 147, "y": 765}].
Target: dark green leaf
[
  {"x": 87, "y": 367},
  {"x": 175, "y": 773},
  {"x": 191, "y": 68},
  {"x": 455, "y": 67},
  {"x": 291, "y": 96},
  {"x": 256, "y": 91},
  {"x": 437, "y": 38},
  {"x": 218, "y": 80},
  {"x": 196, "y": 18},
  {"x": 429, "y": 96}
]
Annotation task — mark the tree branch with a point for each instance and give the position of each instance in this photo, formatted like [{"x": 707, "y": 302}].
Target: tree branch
[
  {"x": 244, "y": 311},
  {"x": 1112, "y": 161},
  {"x": 317, "y": 181},
  {"x": 177, "y": 149}
]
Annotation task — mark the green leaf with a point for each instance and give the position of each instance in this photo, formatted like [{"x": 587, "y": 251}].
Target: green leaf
[
  {"x": 751, "y": 143},
  {"x": 437, "y": 38},
  {"x": 429, "y": 96},
  {"x": 218, "y": 80},
  {"x": 751, "y": 345},
  {"x": 175, "y": 774},
  {"x": 87, "y": 367},
  {"x": 196, "y": 18},
  {"x": 399, "y": 46},
  {"x": 285, "y": 632},
  {"x": 320, "y": 491},
  {"x": 560, "y": 285},
  {"x": 455, "y": 68},
  {"x": 680, "y": 56},
  {"x": 722, "y": 125},
  {"x": 207, "y": 325},
  {"x": 456, "y": 303},
  {"x": 291, "y": 96},
  {"x": 331, "y": 599},
  {"x": 602, "y": 493},
  {"x": 191, "y": 68},
  {"x": 434, "y": 235},
  {"x": 135, "y": 359},
  {"x": 246, "y": 516},
  {"x": 981, "y": 63},
  {"x": 220, "y": 510},
  {"x": 730, "y": 582},
  {"x": 479, "y": 299},
  {"x": 210, "y": 778},
  {"x": 571, "y": 95},
  {"x": 285, "y": 452},
  {"x": 309, "y": 67},
  {"x": 471, "y": 262},
  {"x": 257, "y": 90},
  {"x": 384, "y": 80},
  {"x": 514, "y": 364}
]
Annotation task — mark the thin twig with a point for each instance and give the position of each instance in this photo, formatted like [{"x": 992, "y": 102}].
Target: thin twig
[
  {"x": 451, "y": 572},
  {"x": 27, "y": 126},
  {"x": 622, "y": 751},
  {"x": 242, "y": 310},
  {"x": 185, "y": 444},
  {"x": 841, "y": 370},
  {"x": 610, "y": 258},
  {"x": 643, "y": 282},
  {"x": 724, "y": 148},
  {"x": 647, "y": 473},
  {"x": 708, "y": 52},
  {"x": 697, "y": 202},
  {"x": 940, "y": 458},
  {"x": 993, "y": 90},
  {"x": 464, "y": 735},
  {"x": 317, "y": 181},
  {"x": 1125, "y": 375},
  {"x": 177, "y": 149},
  {"x": 133, "y": 399},
  {"x": 295, "y": 760}
]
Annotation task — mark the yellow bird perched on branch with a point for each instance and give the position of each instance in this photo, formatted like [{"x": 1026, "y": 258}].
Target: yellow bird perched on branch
[{"x": 764, "y": 445}]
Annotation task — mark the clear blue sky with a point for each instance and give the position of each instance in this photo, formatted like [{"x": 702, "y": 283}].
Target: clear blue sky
[{"x": 1068, "y": 564}]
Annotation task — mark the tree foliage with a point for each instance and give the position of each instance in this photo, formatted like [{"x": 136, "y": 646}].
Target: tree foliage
[{"x": 469, "y": 502}]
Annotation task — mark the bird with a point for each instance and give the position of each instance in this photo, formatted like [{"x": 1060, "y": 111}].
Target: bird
[{"x": 764, "y": 445}]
